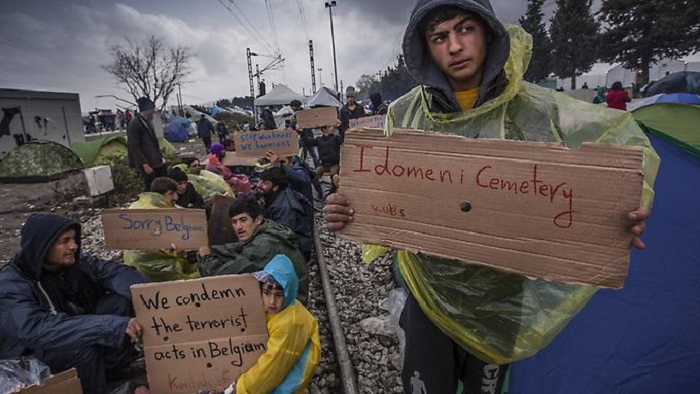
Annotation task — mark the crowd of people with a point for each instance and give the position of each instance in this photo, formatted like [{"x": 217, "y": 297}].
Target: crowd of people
[{"x": 70, "y": 309}]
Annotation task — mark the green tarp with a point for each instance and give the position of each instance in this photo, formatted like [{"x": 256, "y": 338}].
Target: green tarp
[
  {"x": 677, "y": 123},
  {"x": 38, "y": 161}
]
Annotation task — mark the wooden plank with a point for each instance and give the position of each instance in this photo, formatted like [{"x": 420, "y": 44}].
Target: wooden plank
[{"x": 532, "y": 208}]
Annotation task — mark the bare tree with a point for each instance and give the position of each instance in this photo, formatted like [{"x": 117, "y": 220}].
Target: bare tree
[{"x": 149, "y": 68}]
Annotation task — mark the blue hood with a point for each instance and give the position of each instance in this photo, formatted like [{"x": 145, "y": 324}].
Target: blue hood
[{"x": 281, "y": 269}]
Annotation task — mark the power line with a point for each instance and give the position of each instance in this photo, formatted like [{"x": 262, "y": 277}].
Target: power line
[
  {"x": 257, "y": 37},
  {"x": 251, "y": 25},
  {"x": 300, "y": 5},
  {"x": 273, "y": 25},
  {"x": 18, "y": 43}
]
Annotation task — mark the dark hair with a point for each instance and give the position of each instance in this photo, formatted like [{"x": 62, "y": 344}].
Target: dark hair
[
  {"x": 245, "y": 205},
  {"x": 163, "y": 185},
  {"x": 177, "y": 175},
  {"x": 445, "y": 13},
  {"x": 271, "y": 283},
  {"x": 189, "y": 160},
  {"x": 617, "y": 86},
  {"x": 275, "y": 175},
  {"x": 295, "y": 104}
]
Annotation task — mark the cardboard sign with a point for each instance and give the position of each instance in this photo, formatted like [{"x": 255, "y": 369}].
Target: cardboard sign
[
  {"x": 220, "y": 227},
  {"x": 375, "y": 122},
  {"x": 200, "y": 334},
  {"x": 152, "y": 229},
  {"x": 257, "y": 143},
  {"x": 232, "y": 159},
  {"x": 66, "y": 382},
  {"x": 535, "y": 209},
  {"x": 317, "y": 117}
]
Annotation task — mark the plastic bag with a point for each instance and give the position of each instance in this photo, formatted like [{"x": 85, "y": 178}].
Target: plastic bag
[
  {"x": 389, "y": 325},
  {"x": 16, "y": 374}
]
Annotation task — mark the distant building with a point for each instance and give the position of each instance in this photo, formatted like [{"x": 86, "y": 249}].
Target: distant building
[{"x": 28, "y": 114}]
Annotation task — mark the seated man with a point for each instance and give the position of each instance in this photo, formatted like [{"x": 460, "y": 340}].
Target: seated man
[
  {"x": 259, "y": 240},
  {"x": 161, "y": 265},
  {"x": 299, "y": 175},
  {"x": 66, "y": 308},
  {"x": 187, "y": 196},
  {"x": 287, "y": 207},
  {"x": 329, "y": 151},
  {"x": 207, "y": 184}
]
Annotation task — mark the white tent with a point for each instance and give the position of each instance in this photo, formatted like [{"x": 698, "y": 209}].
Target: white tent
[
  {"x": 279, "y": 95},
  {"x": 325, "y": 97}
]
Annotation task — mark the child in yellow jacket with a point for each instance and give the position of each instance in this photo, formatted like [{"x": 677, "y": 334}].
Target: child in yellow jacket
[{"x": 294, "y": 348}]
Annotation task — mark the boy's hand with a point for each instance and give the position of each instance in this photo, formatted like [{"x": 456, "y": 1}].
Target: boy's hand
[
  {"x": 134, "y": 330},
  {"x": 637, "y": 217},
  {"x": 337, "y": 212},
  {"x": 273, "y": 157}
]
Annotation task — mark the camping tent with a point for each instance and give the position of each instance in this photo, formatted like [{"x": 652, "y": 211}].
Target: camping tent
[
  {"x": 100, "y": 151},
  {"x": 279, "y": 95},
  {"x": 679, "y": 123},
  {"x": 643, "y": 338},
  {"x": 680, "y": 82},
  {"x": 178, "y": 129},
  {"x": 325, "y": 97},
  {"x": 38, "y": 161},
  {"x": 678, "y": 98}
]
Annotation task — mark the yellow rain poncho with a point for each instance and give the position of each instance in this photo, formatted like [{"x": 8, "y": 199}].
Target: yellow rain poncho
[
  {"x": 496, "y": 316},
  {"x": 293, "y": 348},
  {"x": 162, "y": 265},
  {"x": 208, "y": 184}
]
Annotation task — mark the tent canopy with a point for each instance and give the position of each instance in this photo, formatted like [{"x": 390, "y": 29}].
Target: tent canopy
[
  {"x": 677, "y": 123},
  {"x": 100, "y": 151},
  {"x": 178, "y": 129},
  {"x": 325, "y": 97},
  {"x": 677, "y": 98},
  {"x": 642, "y": 338},
  {"x": 279, "y": 95},
  {"x": 680, "y": 82},
  {"x": 38, "y": 161}
]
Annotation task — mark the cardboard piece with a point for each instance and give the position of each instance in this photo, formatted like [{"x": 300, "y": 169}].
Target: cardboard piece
[
  {"x": 66, "y": 382},
  {"x": 317, "y": 117},
  {"x": 202, "y": 333},
  {"x": 152, "y": 229},
  {"x": 220, "y": 227},
  {"x": 375, "y": 122},
  {"x": 257, "y": 143},
  {"x": 531, "y": 208},
  {"x": 232, "y": 159}
]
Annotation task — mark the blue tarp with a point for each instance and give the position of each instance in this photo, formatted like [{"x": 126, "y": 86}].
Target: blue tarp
[
  {"x": 178, "y": 129},
  {"x": 217, "y": 110},
  {"x": 644, "y": 338}
]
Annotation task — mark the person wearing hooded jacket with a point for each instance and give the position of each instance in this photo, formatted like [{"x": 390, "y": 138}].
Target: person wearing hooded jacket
[
  {"x": 463, "y": 322},
  {"x": 287, "y": 207},
  {"x": 67, "y": 308},
  {"x": 293, "y": 347},
  {"x": 259, "y": 240}
]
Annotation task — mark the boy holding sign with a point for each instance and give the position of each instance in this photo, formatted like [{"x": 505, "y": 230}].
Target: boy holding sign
[
  {"x": 294, "y": 347},
  {"x": 464, "y": 322}
]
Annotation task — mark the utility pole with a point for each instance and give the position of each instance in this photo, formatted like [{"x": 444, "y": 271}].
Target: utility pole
[
  {"x": 320, "y": 76},
  {"x": 179, "y": 99},
  {"x": 330, "y": 5},
  {"x": 257, "y": 76},
  {"x": 313, "y": 72},
  {"x": 250, "y": 79}
]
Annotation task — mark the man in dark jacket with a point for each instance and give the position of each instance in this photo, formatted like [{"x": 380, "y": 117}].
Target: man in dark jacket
[
  {"x": 298, "y": 173},
  {"x": 259, "y": 240},
  {"x": 187, "y": 196},
  {"x": 287, "y": 207},
  {"x": 66, "y": 308},
  {"x": 378, "y": 106},
  {"x": 269, "y": 119},
  {"x": 204, "y": 130},
  {"x": 329, "y": 153},
  {"x": 351, "y": 110},
  {"x": 143, "y": 150}
]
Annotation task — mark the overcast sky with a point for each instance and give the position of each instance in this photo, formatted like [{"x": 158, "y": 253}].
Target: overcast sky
[{"x": 60, "y": 45}]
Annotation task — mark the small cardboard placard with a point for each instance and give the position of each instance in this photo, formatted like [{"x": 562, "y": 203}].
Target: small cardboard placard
[
  {"x": 220, "y": 227},
  {"x": 531, "y": 208},
  {"x": 152, "y": 229},
  {"x": 202, "y": 333},
  {"x": 65, "y": 382},
  {"x": 372, "y": 122},
  {"x": 232, "y": 159},
  {"x": 258, "y": 143},
  {"x": 317, "y": 117}
]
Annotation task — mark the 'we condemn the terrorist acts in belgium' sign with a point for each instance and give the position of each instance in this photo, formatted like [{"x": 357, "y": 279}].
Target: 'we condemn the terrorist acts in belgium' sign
[
  {"x": 200, "y": 334},
  {"x": 535, "y": 209},
  {"x": 152, "y": 229}
]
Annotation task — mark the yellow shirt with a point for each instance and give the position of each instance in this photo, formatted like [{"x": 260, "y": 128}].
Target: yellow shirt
[{"x": 467, "y": 98}]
